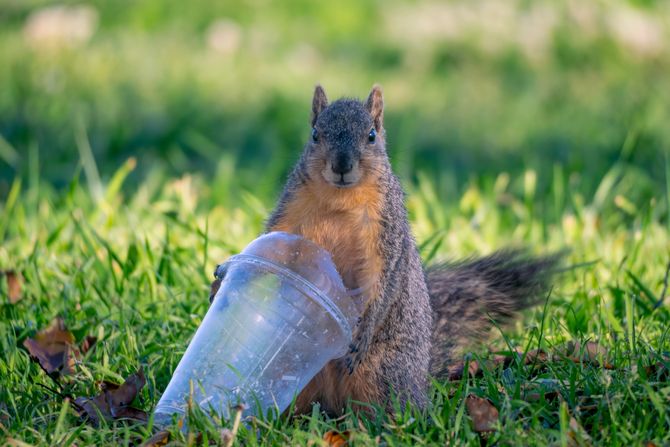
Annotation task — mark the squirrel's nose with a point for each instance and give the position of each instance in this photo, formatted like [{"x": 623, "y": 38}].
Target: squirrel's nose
[{"x": 342, "y": 167}]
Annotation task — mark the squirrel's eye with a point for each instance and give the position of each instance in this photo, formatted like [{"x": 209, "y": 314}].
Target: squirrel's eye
[
  {"x": 372, "y": 135},
  {"x": 315, "y": 135}
]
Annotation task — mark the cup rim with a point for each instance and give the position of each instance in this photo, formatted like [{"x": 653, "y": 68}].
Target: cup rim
[{"x": 301, "y": 283}]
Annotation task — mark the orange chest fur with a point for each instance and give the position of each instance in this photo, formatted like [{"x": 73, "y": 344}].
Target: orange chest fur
[{"x": 347, "y": 223}]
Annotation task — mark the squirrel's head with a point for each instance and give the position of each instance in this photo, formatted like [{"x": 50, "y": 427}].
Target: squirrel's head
[{"x": 346, "y": 146}]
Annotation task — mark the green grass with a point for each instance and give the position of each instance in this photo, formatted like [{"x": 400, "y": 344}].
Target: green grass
[{"x": 133, "y": 269}]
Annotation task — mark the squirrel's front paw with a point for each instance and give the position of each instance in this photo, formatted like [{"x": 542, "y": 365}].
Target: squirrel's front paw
[{"x": 350, "y": 362}]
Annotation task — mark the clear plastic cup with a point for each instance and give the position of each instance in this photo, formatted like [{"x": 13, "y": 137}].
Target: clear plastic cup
[{"x": 281, "y": 313}]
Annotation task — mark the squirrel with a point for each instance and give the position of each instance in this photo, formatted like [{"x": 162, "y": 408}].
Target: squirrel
[{"x": 343, "y": 195}]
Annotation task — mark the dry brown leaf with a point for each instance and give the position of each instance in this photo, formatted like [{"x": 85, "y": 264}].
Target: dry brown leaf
[
  {"x": 127, "y": 392},
  {"x": 484, "y": 415},
  {"x": 457, "y": 371},
  {"x": 114, "y": 401},
  {"x": 591, "y": 352},
  {"x": 14, "y": 285},
  {"x": 476, "y": 368},
  {"x": 159, "y": 439},
  {"x": 335, "y": 439},
  {"x": 536, "y": 356},
  {"x": 53, "y": 348},
  {"x": 533, "y": 395}
]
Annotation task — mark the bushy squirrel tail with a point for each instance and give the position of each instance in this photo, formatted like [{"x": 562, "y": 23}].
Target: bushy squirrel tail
[{"x": 467, "y": 295}]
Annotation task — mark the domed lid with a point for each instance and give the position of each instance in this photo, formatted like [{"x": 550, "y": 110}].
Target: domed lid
[{"x": 312, "y": 265}]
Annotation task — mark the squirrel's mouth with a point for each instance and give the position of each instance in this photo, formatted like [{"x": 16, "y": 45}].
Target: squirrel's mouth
[
  {"x": 343, "y": 183},
  {"x": 341, "y": 180}
]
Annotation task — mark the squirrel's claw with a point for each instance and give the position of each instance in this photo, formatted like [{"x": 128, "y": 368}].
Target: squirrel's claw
[
  {"x": 356, "y": 351},
  {"x": 350, "y": 365},
  {"x": 352, "y": 362},
  {"x": 213, "y": 289}
]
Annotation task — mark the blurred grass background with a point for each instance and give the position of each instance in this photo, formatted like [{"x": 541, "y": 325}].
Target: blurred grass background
[{"x": 567, "y": 89}]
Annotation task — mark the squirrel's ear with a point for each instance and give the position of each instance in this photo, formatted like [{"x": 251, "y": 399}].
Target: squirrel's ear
[
  {"x": 375, "y": 105},
  {"x": 319, "y": 102}
]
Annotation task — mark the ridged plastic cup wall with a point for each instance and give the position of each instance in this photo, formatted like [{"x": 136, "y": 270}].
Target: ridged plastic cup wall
[{"x": 281, "y": 313}]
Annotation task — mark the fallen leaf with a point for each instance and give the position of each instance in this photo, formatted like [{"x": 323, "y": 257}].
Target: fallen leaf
[
  {"x": 533, "y": 394},
  {"x": 536, "y": 356},
  {"x": 335, "y": 439},
  {"x": 484, "y": 415},
  {"x": 591, "y": 352},
  {"x": 95, "y": 409},
  {"x": 127, "y": 392},
  {"x": 104, "y": 385},
  {"x": 457, "y": 371},
  {"x": 53, "y": 348},
  {"x": 476, "y": 368},
  {"x": 159, "y": 439},
  {"x": 14, "y": 285},
  {"x": 114, "y": 401}
]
